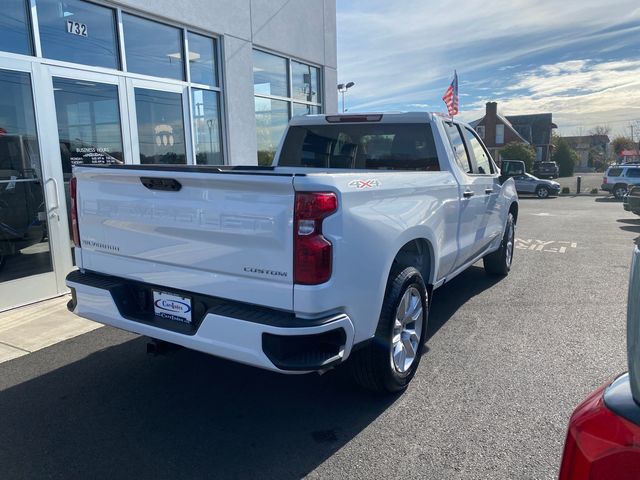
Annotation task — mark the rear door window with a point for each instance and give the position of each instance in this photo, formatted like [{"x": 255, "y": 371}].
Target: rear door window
[
  {"x": 459, "y": 150},
  {"x": 482, "y": 161},
  {"x": 633, "y": 172},
  {"x": 373, "y": 146}
]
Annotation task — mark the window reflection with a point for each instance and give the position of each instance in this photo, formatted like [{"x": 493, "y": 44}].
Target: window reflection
[
  {"x": 270, "y": 74},
  {"x": 206, "y": 127},
  {"x": 160, "y": 126},
  {"x": 24, "y": 245},
  {"x": 88, "y": 123},
  {"x": 79, "y": 32},
  {"x": 202, "y": 62},
  {"x": 15, "y": 31},
  {"x": 302, "y": 109},
  {"x": 305, "y": 80},
  {"x": 272, "y": 117},
  {"x": 153, "y": 48}
]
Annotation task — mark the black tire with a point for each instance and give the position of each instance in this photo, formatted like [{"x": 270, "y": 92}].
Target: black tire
[
  {"x": 499, "y": 262},
  {"x": 619, "y": 191},
  {"x": 542, "y": 192},
  {"x": 373, "y": 367}
]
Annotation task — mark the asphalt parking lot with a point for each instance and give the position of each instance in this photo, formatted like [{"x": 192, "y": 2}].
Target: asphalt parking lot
[{"x": 506, "y": 362}]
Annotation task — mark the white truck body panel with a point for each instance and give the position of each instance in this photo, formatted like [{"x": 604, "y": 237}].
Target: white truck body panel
[{"x": 207, "y": 238}]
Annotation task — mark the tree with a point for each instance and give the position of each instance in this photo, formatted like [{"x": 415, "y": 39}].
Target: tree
[
  {"x": 622, "y": 143},
  {"x": 564, "y": 156},
  {"x": 600, "y": 130},
  {"x": 519, "y": 151}
]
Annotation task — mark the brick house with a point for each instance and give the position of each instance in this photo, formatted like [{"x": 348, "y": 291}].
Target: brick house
[{"x": 497, "y": 130}]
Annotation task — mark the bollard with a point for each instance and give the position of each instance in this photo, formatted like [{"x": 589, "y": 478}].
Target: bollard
[{"x": 579, "y": 181}]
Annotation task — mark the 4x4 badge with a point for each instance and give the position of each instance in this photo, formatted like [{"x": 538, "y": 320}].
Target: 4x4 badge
[{"x": 360, "y": 184}]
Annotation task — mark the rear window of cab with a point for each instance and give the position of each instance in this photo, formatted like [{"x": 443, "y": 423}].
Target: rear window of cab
[{"x": 371, "y": 146}]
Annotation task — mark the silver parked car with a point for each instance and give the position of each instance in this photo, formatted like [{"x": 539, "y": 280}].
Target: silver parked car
[{"x": 528, "y": 184}]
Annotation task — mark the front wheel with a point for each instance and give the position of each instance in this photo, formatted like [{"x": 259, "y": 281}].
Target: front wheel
[
  {"x": 619, "y": 191},
  {"x": 542, "y": 192},
  {"x": 499, "y": 262},
  {"x": 389, "y": 362}
]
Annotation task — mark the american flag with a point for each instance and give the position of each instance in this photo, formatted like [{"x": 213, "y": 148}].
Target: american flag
[{"x": 450, "y": 97}]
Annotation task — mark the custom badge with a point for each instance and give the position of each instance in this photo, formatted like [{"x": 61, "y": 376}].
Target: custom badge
[{"x": 360, "y": 184}]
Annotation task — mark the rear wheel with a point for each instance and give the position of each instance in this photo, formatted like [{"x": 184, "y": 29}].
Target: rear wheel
[
  {"x": 499, "y": 262},
  {"x": 542, "y": 192},
  {"x": 389, "y": 362},
  {"x": 619, "y": 191}
]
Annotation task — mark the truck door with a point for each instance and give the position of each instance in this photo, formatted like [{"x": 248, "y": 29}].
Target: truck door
[
  {"x": 472, "y": 198},
  {"x": 487, "y": 187}
]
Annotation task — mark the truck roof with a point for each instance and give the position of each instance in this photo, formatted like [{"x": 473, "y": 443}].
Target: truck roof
[{"x": 374, "y": 117}]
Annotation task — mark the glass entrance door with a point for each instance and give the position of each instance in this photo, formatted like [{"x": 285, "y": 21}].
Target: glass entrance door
[
  {"x": 90, "y": 127},
  {"x": 30, "y": 220}
]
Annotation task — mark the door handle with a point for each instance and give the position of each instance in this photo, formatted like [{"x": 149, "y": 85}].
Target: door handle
[
  {"x": 52, "y": 212},
  {"x": 488, "y": 191},
  {"x": 467, "y": 194}
]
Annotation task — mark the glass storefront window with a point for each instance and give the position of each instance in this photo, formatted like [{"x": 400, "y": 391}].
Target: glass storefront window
[
  {"x": 271, "y": 79},
  {"x": 202, "y": 59},
  {"x": 272, "y": 117},
  {"x": 160, "y": 126},
  {"x": 24, "y": 245},
  {"x": 15, "y": 28},
  {"x": 306, "y": 84},
  {"x": 302, "y": 109},
  {"x": 89, "y": 127},
  {"x": 206, "y": 127},
  {"x": 79, "y": 32},
  {"x": 270, "y": 74},
  {"x": 153, "y": 48}
]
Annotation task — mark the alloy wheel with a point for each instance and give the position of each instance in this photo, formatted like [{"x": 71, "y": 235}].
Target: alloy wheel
[{"x": 407, "y": 330}]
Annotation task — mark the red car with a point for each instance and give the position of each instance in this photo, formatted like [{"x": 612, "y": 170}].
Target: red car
[{"x": 603, "y": 441}]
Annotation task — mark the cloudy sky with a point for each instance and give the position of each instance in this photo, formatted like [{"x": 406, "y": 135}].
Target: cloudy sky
[{"x": 578, "y": 59}]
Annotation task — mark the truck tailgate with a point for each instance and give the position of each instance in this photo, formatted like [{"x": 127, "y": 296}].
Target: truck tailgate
[{"x": 224, "y": 234}]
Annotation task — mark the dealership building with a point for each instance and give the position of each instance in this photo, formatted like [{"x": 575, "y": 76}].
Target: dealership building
[{"x": 197, "y": 82}]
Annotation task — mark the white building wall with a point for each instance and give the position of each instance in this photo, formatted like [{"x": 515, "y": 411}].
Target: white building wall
[{"x": 303, "y": 29}]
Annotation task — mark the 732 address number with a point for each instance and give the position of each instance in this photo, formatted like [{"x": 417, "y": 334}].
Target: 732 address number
[{"x": 77, "y": 28}]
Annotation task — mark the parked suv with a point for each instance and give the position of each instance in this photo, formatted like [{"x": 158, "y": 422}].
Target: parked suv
[
  {"x": 618, "y": 178},
  {"x": 546, "y": 170}
]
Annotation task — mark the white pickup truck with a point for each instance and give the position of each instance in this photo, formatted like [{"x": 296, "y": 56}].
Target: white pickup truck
[{"x": 331, "y": 253}]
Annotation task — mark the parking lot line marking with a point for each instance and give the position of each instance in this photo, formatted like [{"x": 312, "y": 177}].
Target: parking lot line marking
[{"x": 550, "y": 246}]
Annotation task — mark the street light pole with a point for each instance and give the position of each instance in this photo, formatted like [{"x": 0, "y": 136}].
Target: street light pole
[{"x": 342, "y": 88}]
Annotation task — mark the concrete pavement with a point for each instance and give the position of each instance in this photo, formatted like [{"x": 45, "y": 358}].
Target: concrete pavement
[{"x": 33, "y": 327}]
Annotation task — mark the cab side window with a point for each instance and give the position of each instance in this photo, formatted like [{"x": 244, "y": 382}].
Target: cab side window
[
  {"x": 482, "y": 164},
  {"x": 459, "y": 150}
]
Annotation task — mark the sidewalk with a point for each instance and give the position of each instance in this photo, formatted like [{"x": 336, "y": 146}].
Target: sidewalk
[{"x": 27, "y": 329}]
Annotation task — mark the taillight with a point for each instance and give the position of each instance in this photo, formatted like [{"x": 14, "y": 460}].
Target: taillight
[
  {"x": 73, "y": 191},
  {"x": 313, "y": 253},
  {"x": 604, "y": 179},
  {"x": 600, "y": 445}
]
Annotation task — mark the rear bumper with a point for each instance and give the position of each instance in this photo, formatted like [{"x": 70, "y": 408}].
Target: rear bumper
[
  {"x": 247, "y": 334},
  {"x": 606, "y": 187}
]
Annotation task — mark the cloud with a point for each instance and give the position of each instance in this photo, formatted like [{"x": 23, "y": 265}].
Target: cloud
[
  {"x": 403, "y": 53},
  {"x": 578, "y": 93}
]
